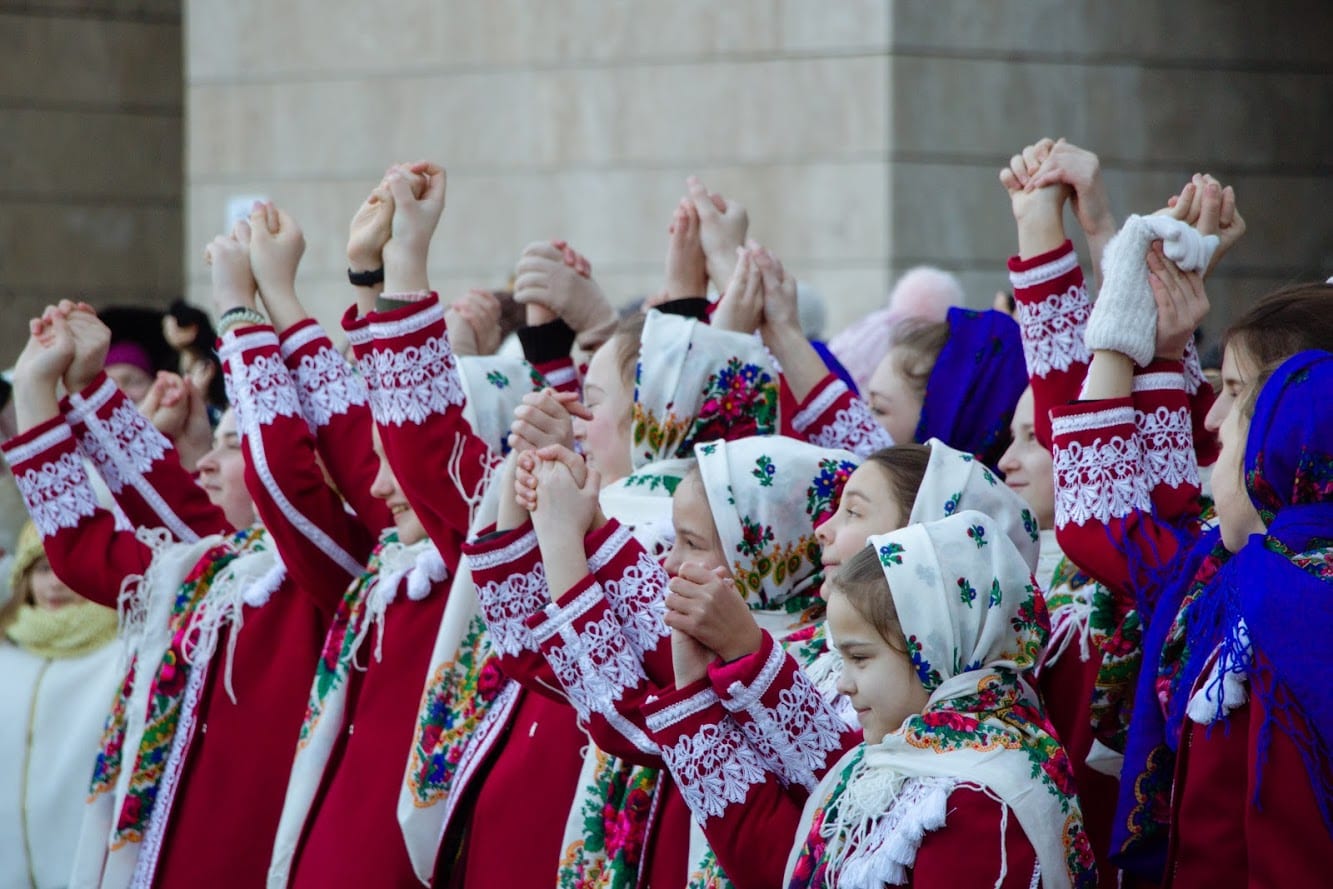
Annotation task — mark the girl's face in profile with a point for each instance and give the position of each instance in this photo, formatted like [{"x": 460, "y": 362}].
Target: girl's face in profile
[
  {"x": 868, "y": 506},
  {"x": 1236, "y": 516},
  {"x": 877, "y": 677},
  {"x": 697, "y": 540}
]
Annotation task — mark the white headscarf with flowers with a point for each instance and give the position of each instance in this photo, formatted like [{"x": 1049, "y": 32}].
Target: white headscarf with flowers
[
  {"x": 975, "y": 623},
  {"x": 767, "y": 493}
]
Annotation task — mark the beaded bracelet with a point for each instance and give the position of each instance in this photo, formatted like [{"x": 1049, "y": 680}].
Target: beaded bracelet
[{"x": 237, "y": 317}]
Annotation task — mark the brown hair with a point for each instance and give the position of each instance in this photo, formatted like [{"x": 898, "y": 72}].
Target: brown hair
[
  {"x": 512, "y": 312},
  {"x": 628, "y": 333},
  {"x": 1285, "y": 322},
  {"x": 915, "y": 346},
  {"x": 861, "y": 580},
  {"x": 905, "y": 466}
]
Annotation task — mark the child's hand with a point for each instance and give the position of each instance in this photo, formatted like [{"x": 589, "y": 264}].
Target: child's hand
[
  {"x": 546, "y": 418},
  {"x": 370, "y": 229},
  {"x": 1021, "y": 176},
  {"x": 276, "y": 247},
  {"x": 1081, "y": 170},
  {"x": 474, "y": 323},
  {"x": 48, "y": 353},
  {"x": 689, "y": 658},
  {"x": 686, "y": 266},
  {"x": 723, "y": 225},
  {"x": 779, "y": 288},
  {"x": 233, "y": 282},
  {"x": 1182, "y": 303},
  {"x": 92, "y": 339},
  {"x": 566, "y": 493},
  {"x": 742, "y": 307},
  {"x": 552, "y": 274},
  {"x": 706, "y": 605},
  {"x": 418, "y": 202},
  {"x": 1210, "y": 208}
]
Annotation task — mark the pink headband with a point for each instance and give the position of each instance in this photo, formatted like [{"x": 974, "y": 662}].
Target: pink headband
[{"x": 125, "y": 352}]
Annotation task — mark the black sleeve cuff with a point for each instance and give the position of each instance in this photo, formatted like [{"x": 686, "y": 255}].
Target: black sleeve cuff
[
  {"x": 543, "y": 343},
  {"x": 689, "y": 307}
]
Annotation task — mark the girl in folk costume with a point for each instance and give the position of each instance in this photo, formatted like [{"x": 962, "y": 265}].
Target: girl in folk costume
[
  {"x": 60, "y": 669},
  {"x": 1088, "y": 691},
  {"x": 1253, "y": 767},
  {"x": 163, "y": 806},
  {"x": 692, "y": 378},
  {"x": 1128, "y": 474},
  {"x": 341, "y": 815},
  {"x": 939, "y": 625},
  {"x": 956, "y": 380},
  {"x": 744, "y": 523}
]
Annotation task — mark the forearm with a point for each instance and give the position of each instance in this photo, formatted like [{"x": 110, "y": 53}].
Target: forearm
[
  {"x": 35, "y": 402},
  {"x": 801, "y": 365},
  {"x": 1110, "y": 375}
]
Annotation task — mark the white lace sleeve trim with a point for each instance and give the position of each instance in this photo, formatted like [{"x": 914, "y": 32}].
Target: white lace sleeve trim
[
  {"x": 561, "y": 376},
  {"x": 638, "y": 599},
  {"x": 420, "y": 320},
  {"x": 1160, "y": 381},
  {"x": 485, "y": 560},
  {"x": 47, "y": 440},
  {"x": 1086, "y": 422},
  {"x": 1099, "y": 481},
  {"x": 1168, "y": 447},
  {"x": 1061, "y": 265},
  {"x": 411, "y": 384},
  {"x": 327, "y": 386},
  {"x": 614, "y": 543},
  {"x": 806, "y": 417},
  {"x": 296, "y": 340},
  {"x": 58, "y": 494},
  {"x": 714, "y": 768},
  {"x": 1052, "y": 330},
  {"x": 592, "y": 661},
  {"x": 854, "y": 429},
  {"x": 82, "y": 408},
  {"x": 507, "y": 604},
  {"x": 234, "y": 343},
  {"x": 682, "y": 710}
]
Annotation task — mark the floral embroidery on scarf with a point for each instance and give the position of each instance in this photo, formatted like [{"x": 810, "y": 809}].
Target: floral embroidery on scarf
[
  {"x": 891, "y": 554},
  {"x": 764, "y": 471},
  {"x": 165, "y": 695},
  {"x": 615, "y": 809},
  {"x": 821, "y": 498}
]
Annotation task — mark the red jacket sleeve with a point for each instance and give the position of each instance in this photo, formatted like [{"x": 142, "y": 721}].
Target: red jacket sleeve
[
  {"x": 81, "y": 540},
  {"x": 335, "y": 402},
  {"x": 417, "y": 400},
  {"x": 1052, "y": 308},
  {"x": 139, "y": 464},
  {"x": 786, "y": 720},
  {"x": 1103, "y": 511},
  {"x": 832, "y": 417},
  {"x": 322, "y": 545},
  {"x": 1162, "y": 412},
  {"x": 747, "y": 814}
]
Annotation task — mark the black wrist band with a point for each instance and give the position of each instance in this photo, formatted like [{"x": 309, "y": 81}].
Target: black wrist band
[{"x": 366, "y": 279}]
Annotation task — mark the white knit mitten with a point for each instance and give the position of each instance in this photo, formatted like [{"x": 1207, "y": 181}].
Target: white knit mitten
[
  {"x": 1124, "y": 318},
  {"x": 1182, "y": 243}
]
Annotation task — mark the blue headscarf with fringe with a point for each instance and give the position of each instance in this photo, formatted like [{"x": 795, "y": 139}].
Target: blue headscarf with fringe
[
  {"x": 975, "y": 384},
  {"x": 1280, "y": 584}
]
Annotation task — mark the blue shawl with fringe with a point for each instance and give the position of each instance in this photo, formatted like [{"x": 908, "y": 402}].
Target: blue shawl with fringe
[{"x": 1280, "y": 584}]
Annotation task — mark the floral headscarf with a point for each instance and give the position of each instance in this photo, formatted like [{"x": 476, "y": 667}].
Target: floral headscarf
[
  {"x": 695, "y": 383},
  {"x": 495, "y": 385},
  {"x": 975, "y": 624},
  {"x": 955, "y": 480},
  {"x": 767, "y": 494},
  {"x": 975, "y": 384}
]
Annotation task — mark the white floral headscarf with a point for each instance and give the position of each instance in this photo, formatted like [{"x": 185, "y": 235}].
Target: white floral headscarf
[{"x": 767, "y": 494}]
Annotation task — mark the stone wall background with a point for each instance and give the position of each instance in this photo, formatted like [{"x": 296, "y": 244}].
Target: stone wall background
[
  {"x": 864, "y": 136},
  {"x": 91, "y": 137}
]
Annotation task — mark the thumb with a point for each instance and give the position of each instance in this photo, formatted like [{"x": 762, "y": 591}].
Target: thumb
[
  {"x": 699, "y": 197},
  {"x": 401, "y": 190}
]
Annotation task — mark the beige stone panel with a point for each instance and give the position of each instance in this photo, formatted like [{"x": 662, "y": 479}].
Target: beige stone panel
[
  {"x": 1128, "y": 114},
  {"x": 51, "y": 59},
  {"x": 815, "y": 25},
  {"x": 849, "y": 291},
  {"x": 357, "y": 128},
  {"x": 74, "y": 248},
  {"x": 1293, "y": 33},
  {"x": 301, "y": 38},
  {"x": 90, "y": 154}
]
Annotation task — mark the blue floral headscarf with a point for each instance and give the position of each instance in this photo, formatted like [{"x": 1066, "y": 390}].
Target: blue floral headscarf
[{"x": 975, "y": 384}]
